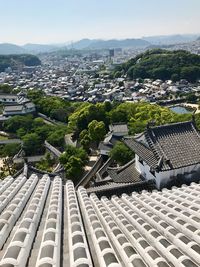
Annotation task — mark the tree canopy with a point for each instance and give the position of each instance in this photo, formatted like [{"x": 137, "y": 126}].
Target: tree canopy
[
  {"x": 162, "y": 64},
  {"x": 96, "y": 130},
  {"x": 74, "y": 160},
  {"x": 53, "y": 107},
  {"x": 9, "y": 150},
  {"x": 121, "y": 153},
  {"x": 24, "y": 126},
  {"x": 5, "y": 89},
  {"x": 32, "y": 144}
]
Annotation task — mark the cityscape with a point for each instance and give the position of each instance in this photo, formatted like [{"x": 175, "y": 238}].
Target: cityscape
[{"x": 100, "y": 134}]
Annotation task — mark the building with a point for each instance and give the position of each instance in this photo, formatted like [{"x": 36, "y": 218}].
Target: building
[
  {"x": 8, "y": 99},
  {"x": 19, "y": 109},
  {"x": 117, "y": 131},
  {"x": 45, "y": 222},
  {"x": 167, "y": 153}
]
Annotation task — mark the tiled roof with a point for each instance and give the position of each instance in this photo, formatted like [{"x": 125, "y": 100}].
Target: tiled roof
[
  {"x": 171, "y": 146},
  {"x": 118, "y": 128},
  {"x": 45, "y": 223},
  {"x": 112, "y": 188},
  {"x": 179, "y": 143},
  {"x": 13, "y": 108},
  {"x": 142, "y": 150},
  {"x": 125, "y": 174}
]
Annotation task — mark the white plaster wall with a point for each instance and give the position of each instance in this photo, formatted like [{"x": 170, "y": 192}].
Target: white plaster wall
[
  {"x": 162, "y": 178},
  {"x": 143, "y": 169}
]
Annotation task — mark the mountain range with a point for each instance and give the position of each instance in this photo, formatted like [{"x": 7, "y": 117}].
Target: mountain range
[
  {"x": 7, "y": 48},
  {"x": 171, "y": 39}
]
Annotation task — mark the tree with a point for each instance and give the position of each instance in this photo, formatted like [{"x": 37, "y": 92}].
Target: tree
[
  {"x": 73, "y": 151},
  {"x": 117, "y": 74},
  {"x": 17, "y": 122},
  {"x": 35, "y": 95},
  {"x": 32, "y": 144},
  {"x": 9, "y": 150},
  {"x": 118, "y": 115},
  {"x": 121, "y": 153},
  {"x": 85, "y": 140},
  {"x": 191, "y": 98},
  {"x": 162, "y": 64},
  {"x": 46, "y": 163},
  {"x": 60, "y": 114},
  {"x": 74, "y": 168},
  {"x": 5, "y": 89},
  {"x": 73, "y": 160},
  {"x": 96, "y": 130},
  {"x": 175, "y": 77},
  {"x": 56, "y": 138}
]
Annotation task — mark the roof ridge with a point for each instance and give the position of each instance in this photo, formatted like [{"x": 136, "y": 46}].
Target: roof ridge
[{"x": 171, "y": 124}]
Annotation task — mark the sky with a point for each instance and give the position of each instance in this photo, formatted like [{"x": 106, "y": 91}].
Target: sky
[{"x": 61, "y": 21}]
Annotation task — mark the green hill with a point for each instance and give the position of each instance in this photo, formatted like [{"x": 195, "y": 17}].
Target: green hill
[
  {"x": 162, "y": 64},
  {"x": 15, "y": 61}
]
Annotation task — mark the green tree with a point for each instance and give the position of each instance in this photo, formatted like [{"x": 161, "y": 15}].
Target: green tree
[
  {"x": 191, "y": 98},
  {"x": 121, "y": 153},
  {"x": 5, "y": 89},
  {"x": 10, "y": 150},
  {"x": 96, "y": 130},
  {"x": 35, "y": 95},
  {"x": 118, "y": 74},
  {"x": 56, "y": 138},
  {"x": 32, "y": 144},
  {"x": 74, "y": 160},
  {"x": 162, "y": 64},
  {"x": 74, "y": 168},
  {"x": 85, "y": 140},
  {"x": 46, "y": 163},
  {"x": 17, "y": 122}
]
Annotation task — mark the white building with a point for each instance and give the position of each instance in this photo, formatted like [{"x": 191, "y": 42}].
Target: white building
[
  {"x": 7, "y": 98},
  {"x": 19, "y": 109},
  {"x": 167, "y": 153}
]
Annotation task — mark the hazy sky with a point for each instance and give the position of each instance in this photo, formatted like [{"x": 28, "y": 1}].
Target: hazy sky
[{"x": 58, "y": 21}]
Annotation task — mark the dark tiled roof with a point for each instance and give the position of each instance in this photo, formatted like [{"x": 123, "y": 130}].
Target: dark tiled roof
[
  {"x": 168, "y": 147},
  {"x": 178, "y": 143},
  {"x": 142, "y": 150},
  {"x": 120, "y": 188},
  {"x": 125, "y": 174}
]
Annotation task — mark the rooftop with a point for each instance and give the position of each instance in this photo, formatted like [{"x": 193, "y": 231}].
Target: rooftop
[
  {"x": 118, "y": 128},
  {"x": 44, "y": 222},
  {"x": 169, "y": 146},
  {"x": 125, "y": 174}
]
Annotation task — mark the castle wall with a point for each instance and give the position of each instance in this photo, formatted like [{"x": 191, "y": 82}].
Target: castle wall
[{"x": 162, "y": 178}]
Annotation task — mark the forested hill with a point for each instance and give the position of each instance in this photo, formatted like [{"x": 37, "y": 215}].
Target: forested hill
[
  {"x": 14, "y": 61},
  {"x": 162, "y": 64}
]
